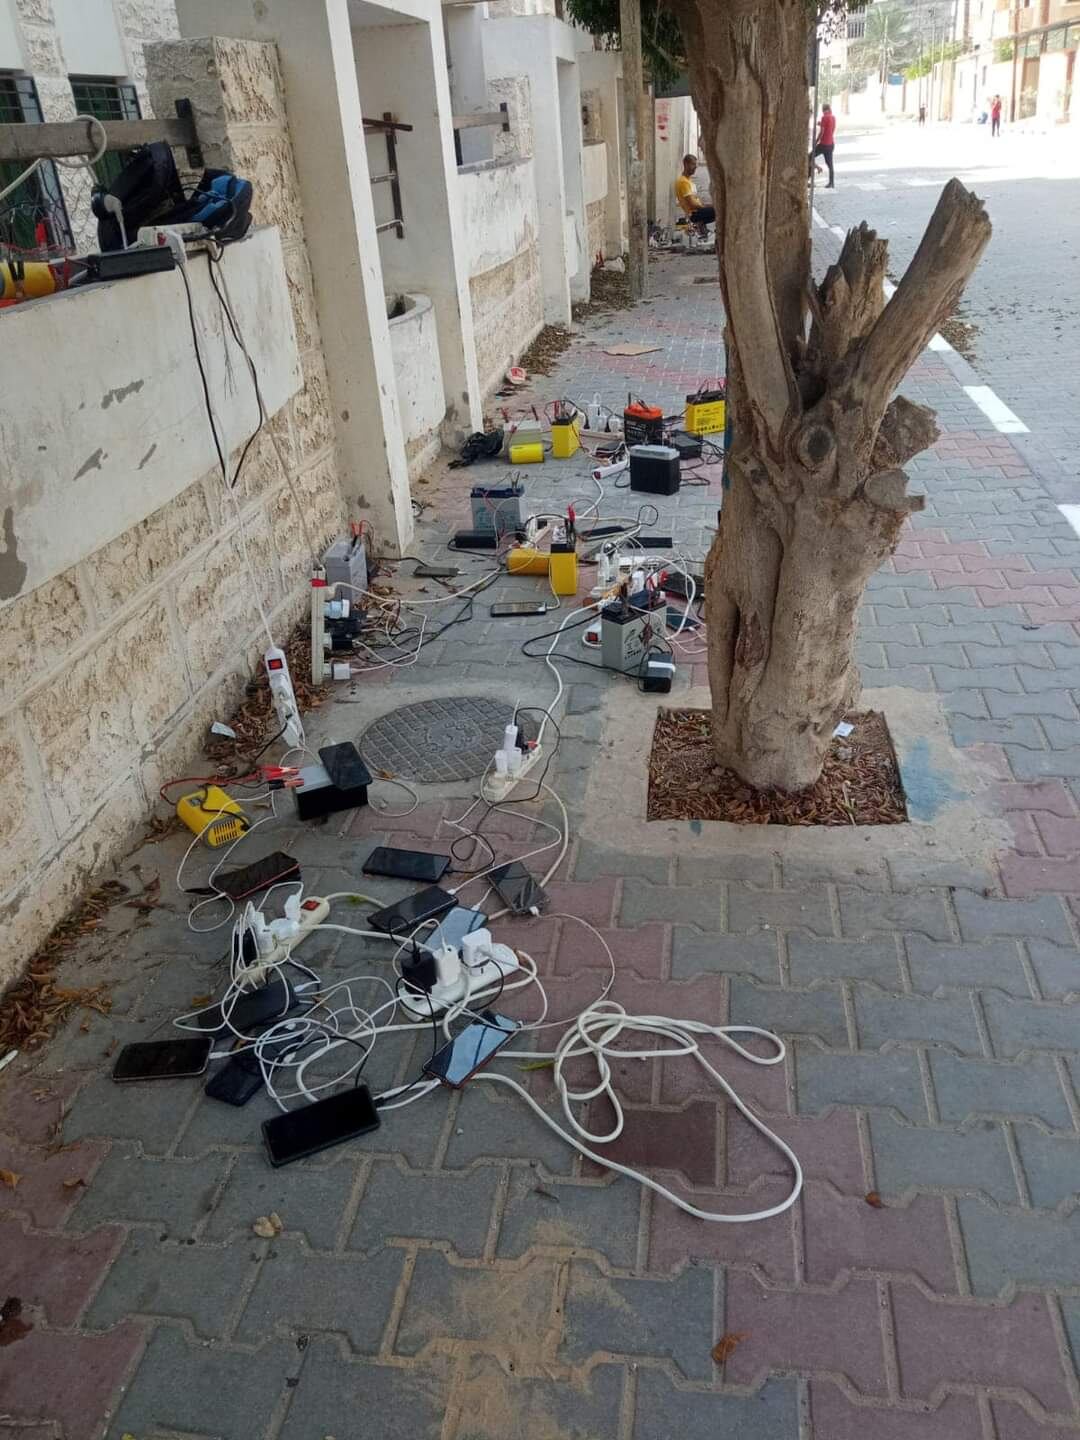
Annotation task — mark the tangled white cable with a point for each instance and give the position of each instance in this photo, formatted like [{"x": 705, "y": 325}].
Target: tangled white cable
[{"x": 594, "y": 1033}]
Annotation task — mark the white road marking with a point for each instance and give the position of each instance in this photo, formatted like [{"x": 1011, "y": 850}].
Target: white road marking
[
  {"x": 938, "y": 342},
  {"x": 838, "y": 231},
  {"x": 889, "y": 288},
  {"x": 1072, "y": 515},
  {"x": 818, "y": 220},
  {"x": 996, "y": 410}
]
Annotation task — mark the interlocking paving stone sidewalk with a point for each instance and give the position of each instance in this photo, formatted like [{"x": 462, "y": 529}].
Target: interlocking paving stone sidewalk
[{"x": 464, "y": 1275}]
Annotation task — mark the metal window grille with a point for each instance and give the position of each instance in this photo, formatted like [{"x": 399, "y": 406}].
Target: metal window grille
[
  {"x": 107, "y": 100},
  {"x": 33, "y": 218}
]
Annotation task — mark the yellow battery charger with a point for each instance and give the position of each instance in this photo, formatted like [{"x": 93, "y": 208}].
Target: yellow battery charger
[
  {"x": 705, "y": 412},
  {"x": 212, "y": 815},
  {"x": 565, "y": 438}
]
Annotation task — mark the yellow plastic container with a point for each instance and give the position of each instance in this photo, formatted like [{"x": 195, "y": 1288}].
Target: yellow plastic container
[
  {"x": 29, "y": 280},
  {"x": 705, "y": 414},
  {"x": 527, "y": 454},
  {"x": 525, "y": 560},
  {"x": 562, "y": 571},
  {"x": 565, "y": 440},
  {"x": 212, "y": 815}
]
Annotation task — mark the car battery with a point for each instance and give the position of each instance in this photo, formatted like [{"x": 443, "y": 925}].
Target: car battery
[
  {"x": 496, "y": 509},
  {"x": 654, "y": 469},
  {"x": 706, "y": 412},
  {"x": 626, "y": 633},
  {"x": 643, "y": 424},
  {"x": 345, "y": 564}
]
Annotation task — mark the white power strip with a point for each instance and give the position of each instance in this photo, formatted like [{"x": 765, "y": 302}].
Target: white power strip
[
  {"x": 313, "y": 911},
  {"x": 424, "y": 1003},
  {"x": 497, "y": 787}
]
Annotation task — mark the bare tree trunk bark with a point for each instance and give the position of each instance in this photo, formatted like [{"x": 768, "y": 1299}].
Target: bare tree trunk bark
[
  {"x": 634, "y": 102},
  {"x": 817, "y": 496}
]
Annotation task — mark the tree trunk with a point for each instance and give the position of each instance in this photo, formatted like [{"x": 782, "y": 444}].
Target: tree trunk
[
  {"x": 634, "y": 103},
  {"x": 816, "y": 495}
]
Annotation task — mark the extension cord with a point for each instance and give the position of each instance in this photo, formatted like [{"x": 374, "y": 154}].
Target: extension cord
[
  {"x": 493, "y": 971},
  {"x": 498, "y": 786},
  {"x": 284, "y": 698},
  {"x": 313, "y": 911}
]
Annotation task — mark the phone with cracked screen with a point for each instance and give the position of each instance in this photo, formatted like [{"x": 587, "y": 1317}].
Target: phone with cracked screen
[
  {"x": 517, "y": 888},
  {"x": 276, "y": 869},
  {"x": 300, "y": 1133},
  {"x": 404, "y": 915},
  {"x": 471, "y": 1050},
  {"x": 406, "y": 864},
  {"x": 162, "y": 1059}
]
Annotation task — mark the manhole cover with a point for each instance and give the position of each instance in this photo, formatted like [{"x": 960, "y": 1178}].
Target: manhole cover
[{"x": 449, "y": 739}]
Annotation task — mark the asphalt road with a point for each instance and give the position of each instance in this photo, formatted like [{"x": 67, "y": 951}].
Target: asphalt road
[{"x": 1024, "y": 299}]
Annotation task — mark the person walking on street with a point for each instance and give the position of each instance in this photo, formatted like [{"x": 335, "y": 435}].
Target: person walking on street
[
  {"x": 995, "y": 115},
  {"x": 825, "y": 138},
  {"x": 922, "y": 114}
]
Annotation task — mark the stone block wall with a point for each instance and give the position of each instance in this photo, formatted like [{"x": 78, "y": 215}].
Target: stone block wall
[
  {"x": 111, "y": 671},
  {"x": 501, "y": 229}
]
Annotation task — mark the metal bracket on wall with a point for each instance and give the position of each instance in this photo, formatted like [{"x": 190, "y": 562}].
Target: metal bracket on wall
[{"x": 193, "y": 151}]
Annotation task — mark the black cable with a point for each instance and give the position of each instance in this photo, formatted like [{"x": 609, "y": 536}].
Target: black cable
[
  {"x": 234, "y": 327},
  {"x": 202, "y": 374}
]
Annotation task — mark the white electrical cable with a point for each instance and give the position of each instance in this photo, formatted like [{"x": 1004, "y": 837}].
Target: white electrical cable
[{"x": 68, "y": 162}]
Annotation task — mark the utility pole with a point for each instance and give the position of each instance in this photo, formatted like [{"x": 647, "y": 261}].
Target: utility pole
[{"x": 634, "y": 97}]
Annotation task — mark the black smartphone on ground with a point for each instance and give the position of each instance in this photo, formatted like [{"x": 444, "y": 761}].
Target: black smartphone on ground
[
  {"x": 241, "y": 1076},
  {"x": 683, "y": 618},
  {"x": 404, "y": 915},
  {"x": 406, "y": 864},
  {"x": 269, "y": 1002},
  {"x": 473, "y": 1048},
  {"x": 517, "y": 888},
  {"x": 518, "y": 607},
  {"x": 436, "y": 572},
  {"x": 162, "y": 1059},
  {"x": 315, "y": 1127},
  {"x": 274, "y": 869}
]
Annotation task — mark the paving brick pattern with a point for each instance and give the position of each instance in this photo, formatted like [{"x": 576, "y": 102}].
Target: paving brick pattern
[{"x": 464, "y": 1275}]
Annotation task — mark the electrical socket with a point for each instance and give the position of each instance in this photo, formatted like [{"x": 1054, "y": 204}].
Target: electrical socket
[
  {"x": 500, "y": 964},
  {"x": 497, "y": 787},
  {"x": 313, "y": 911}
]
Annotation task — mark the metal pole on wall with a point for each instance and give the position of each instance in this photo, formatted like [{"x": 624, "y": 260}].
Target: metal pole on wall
[{"x": 634, "y": 92}]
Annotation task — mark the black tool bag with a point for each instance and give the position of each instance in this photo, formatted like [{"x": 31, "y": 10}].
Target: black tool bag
[{"x": 148, "y": 189}]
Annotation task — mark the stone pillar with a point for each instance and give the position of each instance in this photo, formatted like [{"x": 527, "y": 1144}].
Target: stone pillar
[
  {"x": 401, "y": 70},
  {"x": 310, "y": 174}
]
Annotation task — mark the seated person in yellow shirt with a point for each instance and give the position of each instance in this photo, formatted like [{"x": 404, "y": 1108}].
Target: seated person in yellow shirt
[{"x": 687, "y": 196}]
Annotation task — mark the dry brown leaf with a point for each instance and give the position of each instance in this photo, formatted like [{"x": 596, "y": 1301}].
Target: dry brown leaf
[
  {"x": 10, "y": 1178},
  {"x": 264, "y": 1228},
  {"x": 276, "y": 1221},
  {"x": 74, "y": 1182},
  {"x": 726, "y": 1346},
  {"x": 201, "y": 999},
  {"x": 874, "y": 1200}
]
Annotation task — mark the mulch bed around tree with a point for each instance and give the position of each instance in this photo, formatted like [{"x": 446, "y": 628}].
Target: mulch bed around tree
[{"x": 860, "y": 784}]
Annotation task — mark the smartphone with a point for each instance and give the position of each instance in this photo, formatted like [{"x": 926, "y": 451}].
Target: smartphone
[
  {"x": 273, "y": 869},
  {"x": 315, "y": 1127},
  {"x": 455, "y": 925},
  {"x": 517, "y": 888},
  {"x": 404, "y": 915},
  {"x": 677, "y": 617},
  {"x": 241, "y": 1076},
  {"x": 436, "y": 572},
  {"x": 518, "y": 607},
  {"x": 343, "y": 764},
  {"x": 162, "y": 1059},
  {"x": 473, "y": 1048},
  {"x": 406, "y": 864},
  {"x": 269, "y": 1002}
]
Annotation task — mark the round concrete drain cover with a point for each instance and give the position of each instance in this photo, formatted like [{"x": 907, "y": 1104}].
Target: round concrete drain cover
[{"x": 449, "y": 739}]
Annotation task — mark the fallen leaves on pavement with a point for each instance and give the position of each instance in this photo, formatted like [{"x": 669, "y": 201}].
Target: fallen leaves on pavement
[{"x": 726, "y": 1346}]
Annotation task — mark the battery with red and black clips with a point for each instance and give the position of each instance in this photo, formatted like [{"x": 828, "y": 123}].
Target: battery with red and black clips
[{"x": 643, "y": 424}]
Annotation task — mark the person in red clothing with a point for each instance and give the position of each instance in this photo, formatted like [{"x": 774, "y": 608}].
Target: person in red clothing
[
  {"x": 825, "y": 138},
  {"x": 995, "y": 115}
]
